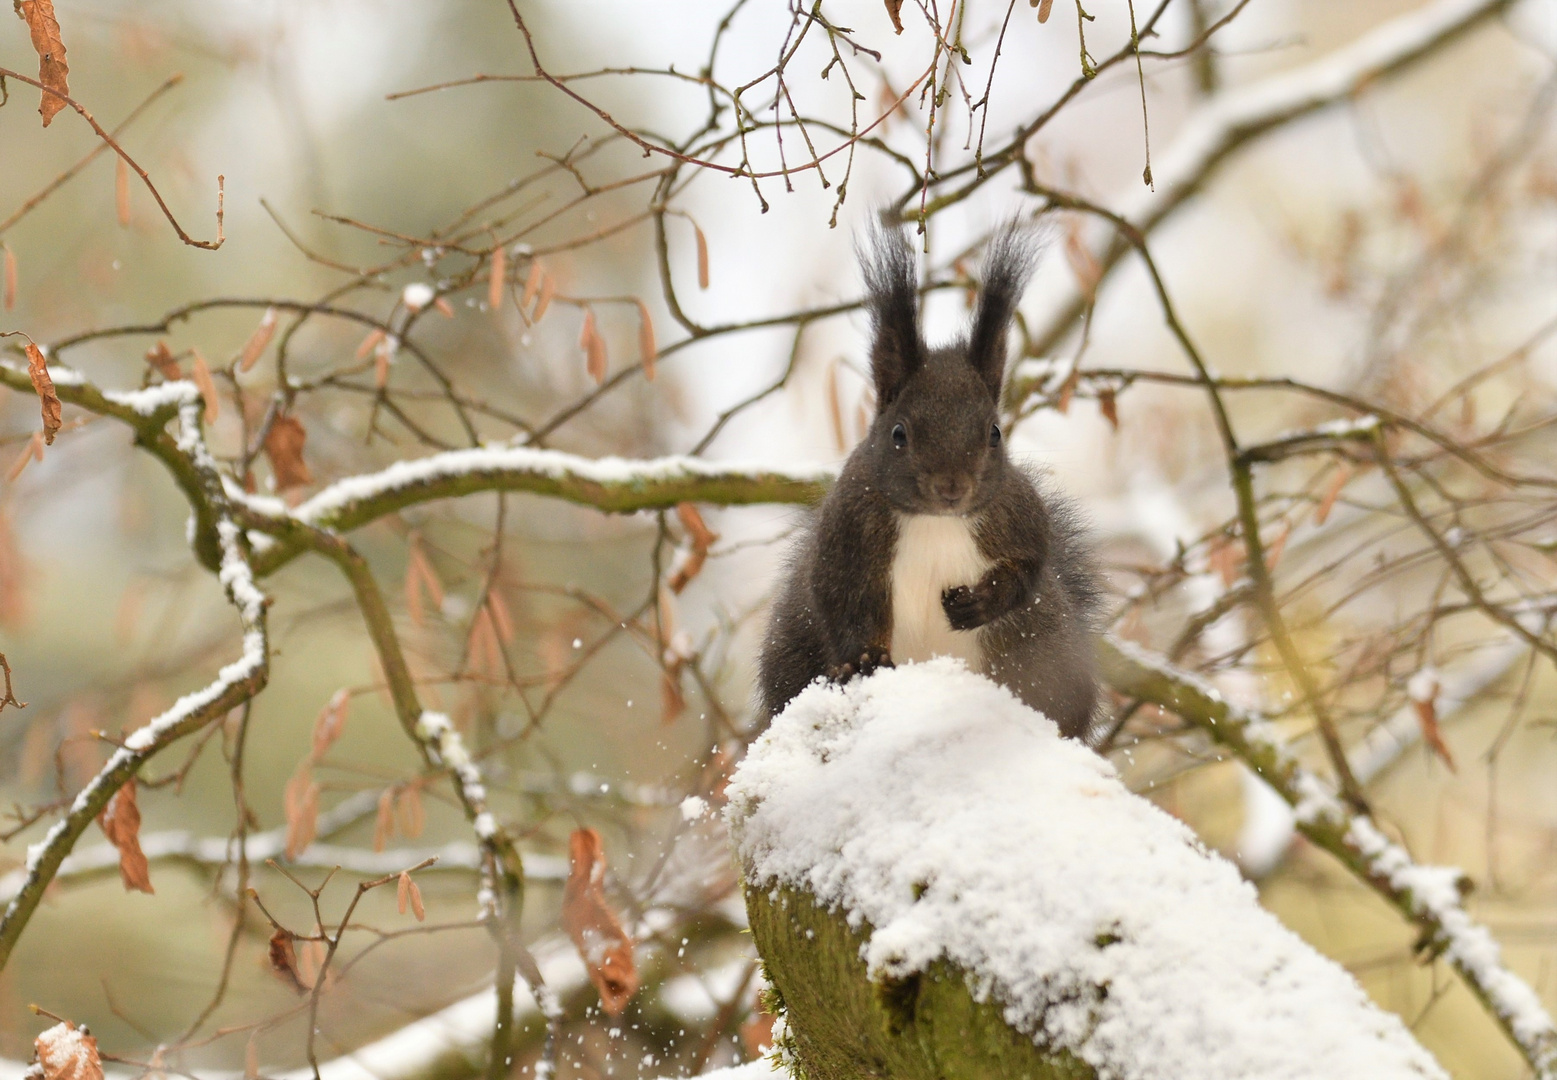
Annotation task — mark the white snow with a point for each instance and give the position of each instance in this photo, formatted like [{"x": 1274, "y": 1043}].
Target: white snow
[
  {"x": 554, "y": 464},
  {"x": 928, "y": 803},
  {"x": 417, "y": 295}
]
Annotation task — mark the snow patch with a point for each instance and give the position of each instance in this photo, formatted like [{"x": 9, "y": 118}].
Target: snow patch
[{"x": 930, "y": 804}]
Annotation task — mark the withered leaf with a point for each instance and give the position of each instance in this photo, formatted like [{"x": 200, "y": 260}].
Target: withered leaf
[
  {"x": 594, "y": 348},
  {"x": 283, "y": 959},
  {"x": 894, "y": 12},
  {"x": 1107, "y": 401},
  {"x": 202, "y": 373},
  {"x": 593, "y": 926},
  {"x": 160, "y": 357},
  {"x": 254, "y": 348},
  {"x": 121, "y": 823},
  {"x": 53, "y": 72},
  {"x": 300, "y": 802},
  {"x": 497, "y": 278},
  {"x": 1432, "y": 735},
  {"x": 43, "y": 382},
  {"x": 369, "y": 343},
  {"x": 700, "y": 537},
  {"x": 1423, "y": 690},
  {"x": 122, "y": 191},
  {"x": 532, "y": 282},
  {"x": 331, "y": 722},
  {"x": 66, "y": 1052},
  {"x": 384, "y": 823},
  {"x": 1342, "y": 477},
  {"x": 548, "y": 290},
  {"x": 646, "y": 350},
  {"x": 413, "y": 813},
  {"x": 284, "y": 447},
  {"x": 10, "y": 277},
  {"x": 1083, "y": 264},
  {"x": 702, "y": 256},
  {"x": 407, "y": 891}
]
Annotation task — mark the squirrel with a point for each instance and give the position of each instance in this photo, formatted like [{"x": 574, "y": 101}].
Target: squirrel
[{"x": 932, "y": 541}]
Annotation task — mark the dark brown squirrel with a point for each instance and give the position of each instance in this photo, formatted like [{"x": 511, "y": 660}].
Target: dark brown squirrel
[{"x": 932, "y": 541}]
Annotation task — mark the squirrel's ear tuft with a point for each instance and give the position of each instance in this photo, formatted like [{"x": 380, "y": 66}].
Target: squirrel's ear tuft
[
  {"x": 1008, "y": 264},
  {"x": 892, "y": 297}
]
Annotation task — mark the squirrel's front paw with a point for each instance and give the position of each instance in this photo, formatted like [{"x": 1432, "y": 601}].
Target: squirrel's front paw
[
  {"x": 965, "y": 607},
  {"x": 868, "y": 661}
]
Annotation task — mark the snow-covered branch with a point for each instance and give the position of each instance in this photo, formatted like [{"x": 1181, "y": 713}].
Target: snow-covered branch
[
  {"x": 1430, "y": 896},
  {"x": 234, "y": 684},
  {"x": 1241, "y": 114},
  {"x": 614, "y": 485},
  {"x": 934, "y": 875}
]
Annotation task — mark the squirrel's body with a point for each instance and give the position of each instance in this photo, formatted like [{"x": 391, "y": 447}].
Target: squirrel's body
[{"x": 932, "y": 542}]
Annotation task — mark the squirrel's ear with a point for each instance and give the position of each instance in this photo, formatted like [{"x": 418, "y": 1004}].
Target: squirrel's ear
[
  {"x": 1008, "y": 264},
  {"x": 892, "y": 296}
]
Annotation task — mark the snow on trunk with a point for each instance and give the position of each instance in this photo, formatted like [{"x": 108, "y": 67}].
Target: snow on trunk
[{"x": 940, "y": 886}]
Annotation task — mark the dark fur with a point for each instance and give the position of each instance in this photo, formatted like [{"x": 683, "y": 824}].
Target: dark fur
[{"x": 1036, "y": 605}]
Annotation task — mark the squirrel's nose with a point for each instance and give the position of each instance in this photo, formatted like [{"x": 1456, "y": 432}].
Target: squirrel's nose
[{"x": 950, "y": 489}]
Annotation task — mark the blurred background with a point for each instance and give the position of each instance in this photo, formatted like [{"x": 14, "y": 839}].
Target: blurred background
[{"x": 1387, "y": 248}]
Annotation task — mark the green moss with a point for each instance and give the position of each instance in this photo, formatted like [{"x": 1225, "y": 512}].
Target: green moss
[{"x": 844, "y": 1026}]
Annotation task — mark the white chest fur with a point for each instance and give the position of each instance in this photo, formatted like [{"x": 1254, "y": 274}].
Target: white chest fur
[{"x": 933, "y": 554}]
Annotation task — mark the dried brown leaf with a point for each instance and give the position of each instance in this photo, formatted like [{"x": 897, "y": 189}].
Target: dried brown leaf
[
  {"x": 10, "y": 277},
  {"x": 1338, "y": 483},
  {"x": 1273, "y": 553},
  {"x": 121, "y": 823},
  {"x": 300, "y": 802},
  {"x": 702, "y": 256},
  {"x": 548, "y": 290},
  {"x": 1427, "y": 718},
  {"x": 369, "y": 343},
  {"x": 1108, "y": 402},
  {"x": 594, "y": 927},
  {"x": 1083, "y": 264},
  {"x": 532, "y": 282},
  {"x": 594, "y": 348},
  {"x": 43, "y": 383},
  {"x": 497, "y": 278},
  {"x": 160, "y": 357},
  {"x": 407, "y": 891},
  {"x": 202, "y": 373},
  {"x": 283, "y": 959},
  {"x": 646, "y": 350},
  {"x": 53, "y": 72},
  {"x": 66, "y": 1052},
  {"x": 284, "y": 447},
  {"x": 700, "y": 538},
  {"x": 331, "y": 722},
  {"x": 413, "y": 812},
  {"x": 122, "y": 191},
  {"x": 384, "y": 823},
  {"x": 894, "y": 10},
  {"x": 697, "y": 529},
  {"x": 254, "y": 348}
]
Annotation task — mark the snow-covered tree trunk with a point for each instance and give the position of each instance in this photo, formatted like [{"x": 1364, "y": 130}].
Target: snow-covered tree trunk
[{"x": 942, "y": 888}]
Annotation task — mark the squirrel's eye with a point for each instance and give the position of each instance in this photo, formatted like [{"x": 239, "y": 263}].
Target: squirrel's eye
[
  {"x": 899, "y": 436},
  {"x": 994, "y": 434}
]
